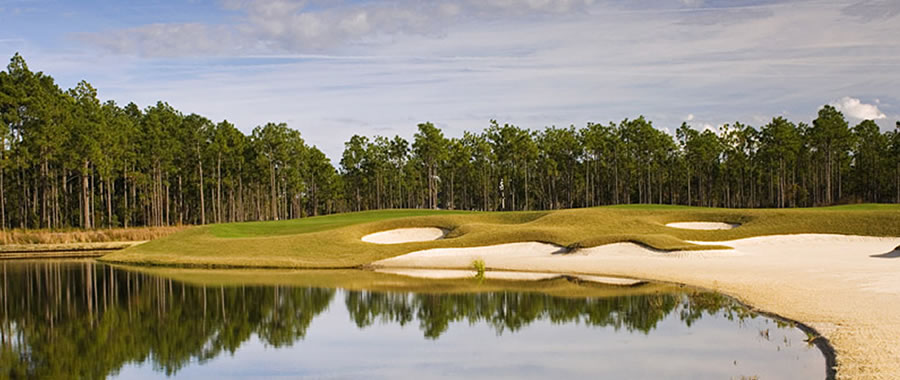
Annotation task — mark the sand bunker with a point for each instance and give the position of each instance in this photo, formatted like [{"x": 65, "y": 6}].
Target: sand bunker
[
  {"x": 405, "y": 235},
  {"x": 703, "y": 225},
  {"x": 463, "y": 273},
  {"x": 504, "y": 275},
  {"x": 845, "y": 287}
]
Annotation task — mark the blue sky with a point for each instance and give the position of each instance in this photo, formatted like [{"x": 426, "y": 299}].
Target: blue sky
[{"x": 336, "y": 68}]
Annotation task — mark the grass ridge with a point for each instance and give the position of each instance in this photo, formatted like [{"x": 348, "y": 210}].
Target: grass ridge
[{"x": 334, "y": 241}]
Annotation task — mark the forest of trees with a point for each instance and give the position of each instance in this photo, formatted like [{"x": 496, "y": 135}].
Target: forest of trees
[{"x": 69, "y": 160}]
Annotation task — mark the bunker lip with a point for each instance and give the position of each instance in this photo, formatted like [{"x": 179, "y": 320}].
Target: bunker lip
[
  {"x": 703, "y": 225},
  {"x": 507, "y": 275},
  {"x": 406, "y": 235}
]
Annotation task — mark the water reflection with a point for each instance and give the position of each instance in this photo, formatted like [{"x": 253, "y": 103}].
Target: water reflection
[
  {"x": 87, "y": 320},
  {"x": 512, "y": 311}
]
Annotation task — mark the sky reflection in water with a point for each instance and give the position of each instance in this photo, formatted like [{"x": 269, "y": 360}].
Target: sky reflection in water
[{"x": 94, "y": 321}]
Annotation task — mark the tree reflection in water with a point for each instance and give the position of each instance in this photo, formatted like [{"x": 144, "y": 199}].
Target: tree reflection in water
[{"x": 87, "y": 320}]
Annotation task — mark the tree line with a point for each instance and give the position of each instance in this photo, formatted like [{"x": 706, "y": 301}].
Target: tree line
[{"x": 69, "y": 160}]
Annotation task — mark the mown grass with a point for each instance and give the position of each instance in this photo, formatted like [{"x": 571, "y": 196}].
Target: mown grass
[
  {"x": 334, "y": 241},
  {"x": 315, "y": 224}
]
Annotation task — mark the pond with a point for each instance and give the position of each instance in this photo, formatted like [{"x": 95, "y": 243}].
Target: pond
[{"x": 83, "y": 319}]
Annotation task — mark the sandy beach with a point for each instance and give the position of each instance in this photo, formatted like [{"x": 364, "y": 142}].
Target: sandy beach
[{"x": 845, "y": 287}]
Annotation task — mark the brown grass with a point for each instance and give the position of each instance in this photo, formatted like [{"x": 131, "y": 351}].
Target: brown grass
[{"x": 21, "y": 237}]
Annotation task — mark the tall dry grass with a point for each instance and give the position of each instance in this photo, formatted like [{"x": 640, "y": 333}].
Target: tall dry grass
[{"x": 86, "y": 236}]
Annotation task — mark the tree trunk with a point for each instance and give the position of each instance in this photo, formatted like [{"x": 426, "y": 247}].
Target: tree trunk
[
  {"x": 241, "y": 215},
  {"x": 689, "y": 185},
  {"x": 202, "y": 201},
  {"x": 126, "y": 213},
  {"x": 180, "y": 202},
  {"x": 526, "y": 187},
  {"x": 452, "y": 203},
  {"x": 828, "y": 175},
  {"x": 2, "y": 196},
  {"x": 168, "y": 203},
  {"x": 616, "y": 183},
  {"x": 45, "y": 215},
  {"x": 109, "y": 191},
  {"x": 219, "y": 188},
  {"x": 85, "y": 198},
  {"x": 274, "y": 193}
]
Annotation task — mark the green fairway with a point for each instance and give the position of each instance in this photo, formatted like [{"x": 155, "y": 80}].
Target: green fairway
[
  {"x": 315, "y": 224},
  {"x": 334, "y": 241}
]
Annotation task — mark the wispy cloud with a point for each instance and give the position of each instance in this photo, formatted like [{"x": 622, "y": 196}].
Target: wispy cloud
[
  {"x": 301, "y": 26},
  {"x": 873, "y": 9},
  {"x": 167, "y": 40}
]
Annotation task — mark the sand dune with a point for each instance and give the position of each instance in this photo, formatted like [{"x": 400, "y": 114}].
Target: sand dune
[
  {"x": 846, "y": 287},
  {"x": 405, "y": 235}
]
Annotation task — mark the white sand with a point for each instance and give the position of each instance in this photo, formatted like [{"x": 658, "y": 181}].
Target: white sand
[
  {"x": 405, "y": 235},
  {"x": 833, "y": 283},
  {"x": 503, "y": 275},
  {"x": 703, "y": 225},
  {"x": 464, "y": 273}
]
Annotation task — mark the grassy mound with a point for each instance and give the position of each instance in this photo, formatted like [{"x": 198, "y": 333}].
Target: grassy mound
[{"x": 334, "y": 241}]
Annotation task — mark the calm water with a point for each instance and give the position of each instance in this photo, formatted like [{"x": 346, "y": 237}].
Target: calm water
[{"x": 79, "y": 319}]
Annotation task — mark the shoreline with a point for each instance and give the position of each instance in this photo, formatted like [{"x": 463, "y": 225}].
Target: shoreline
[
  {"x": 843, "y": 287},
  {"x": 820, "y": 341},
  {"x": 62, "y": 250}
]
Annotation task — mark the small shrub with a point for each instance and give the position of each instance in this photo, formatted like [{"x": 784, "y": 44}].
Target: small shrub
[
  {"x": 571, "y": 248},
  {"x": 478, "y": 265},
  {"x": 810, "y": 338}
]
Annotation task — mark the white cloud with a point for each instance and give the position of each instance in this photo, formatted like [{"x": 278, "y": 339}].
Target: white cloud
[
  {"x": 856, "y": 109},
  {"x": 690, "y": 117}
]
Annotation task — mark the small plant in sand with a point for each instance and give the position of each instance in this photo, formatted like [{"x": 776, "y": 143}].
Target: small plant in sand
[
  {"x": 478, "y": 265},
  {"x": 811, "y": 338},
  {"x": 571, "y": 248}
]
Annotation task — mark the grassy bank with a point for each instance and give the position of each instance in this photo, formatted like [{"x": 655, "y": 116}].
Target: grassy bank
[
  {"x": 61, "y": 237},
  {"x": 334, "y": 241}
]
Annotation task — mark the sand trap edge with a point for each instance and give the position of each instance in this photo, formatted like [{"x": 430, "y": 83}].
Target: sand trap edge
[
  {"x": 406, "y": 235},
  {"x": 506, "y": 275},
  {"x": 706, "y": 226}
]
